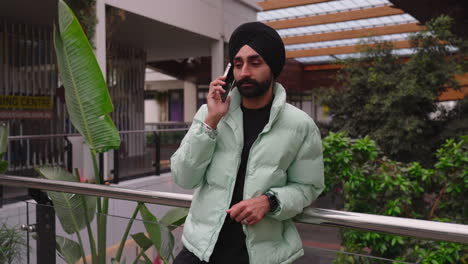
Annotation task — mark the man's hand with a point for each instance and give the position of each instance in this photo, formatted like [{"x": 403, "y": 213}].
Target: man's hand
[
  {"x": 216, "y": 107},
  {"x": 251, "y": 211}
]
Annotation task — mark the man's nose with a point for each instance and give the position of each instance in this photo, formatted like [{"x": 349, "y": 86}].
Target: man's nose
[{"x": 245, "y": 71}]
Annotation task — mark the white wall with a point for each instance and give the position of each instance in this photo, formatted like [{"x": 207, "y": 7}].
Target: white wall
[
  {"x": 152, "y": 111},
  {"x": 215, "y": 19},
  {"x": 198, "y": 16},
  {"x": 236, "y": 12}
]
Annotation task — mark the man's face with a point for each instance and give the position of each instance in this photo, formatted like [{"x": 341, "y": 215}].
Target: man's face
[{"x": 252, "y": 74}]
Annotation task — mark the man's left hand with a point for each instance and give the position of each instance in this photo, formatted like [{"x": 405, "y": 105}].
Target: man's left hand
[{"x": 251, "y": 211}]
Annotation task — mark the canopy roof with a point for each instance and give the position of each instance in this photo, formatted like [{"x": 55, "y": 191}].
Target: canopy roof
[{"x": 320, "y": 31}]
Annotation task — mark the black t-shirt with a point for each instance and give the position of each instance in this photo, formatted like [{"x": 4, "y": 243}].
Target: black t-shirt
[{"x": 231, "y": 247}]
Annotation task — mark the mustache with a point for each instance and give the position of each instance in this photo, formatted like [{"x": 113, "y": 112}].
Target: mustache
[{"x": 247, "y": 81}]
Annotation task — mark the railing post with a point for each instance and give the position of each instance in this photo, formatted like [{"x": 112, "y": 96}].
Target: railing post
[
  {"x": 101, "y": 167},
  {"x": 115, "y": 170},
  {"x": 45, "y": 227},
  {"x": 157, "y": 162},
  {"x": 69, "y": 154}
]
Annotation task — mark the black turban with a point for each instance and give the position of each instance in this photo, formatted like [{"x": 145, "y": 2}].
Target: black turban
[{"x": 264, "y": 40}]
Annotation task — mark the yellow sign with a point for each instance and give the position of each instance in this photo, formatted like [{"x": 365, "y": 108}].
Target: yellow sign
[{"x": 26, "y": 102}]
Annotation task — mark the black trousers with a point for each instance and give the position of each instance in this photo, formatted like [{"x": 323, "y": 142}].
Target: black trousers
[{"x": 187, "y": 257}]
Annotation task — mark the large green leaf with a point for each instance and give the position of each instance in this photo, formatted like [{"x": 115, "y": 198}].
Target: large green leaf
[
  {"x": 114, "y": 261},
  {"x": 86, "y": 94},
  {"x": 146, "y": 261},
  {"x": 3, "y": 166},
  {"x": 159, "y": 233},
  {"x": 142, "y": 240},
  {"x": 175, "y": 218},
  {"x": 67, "y": 249},
  {"x": 69, "y": 206},
  {"x": 3, "y": 138}
]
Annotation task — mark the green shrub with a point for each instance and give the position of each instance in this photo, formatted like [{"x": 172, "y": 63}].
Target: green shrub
[
  {"x": 12, "y": 244},
  {"x": 371, "y": 183}
]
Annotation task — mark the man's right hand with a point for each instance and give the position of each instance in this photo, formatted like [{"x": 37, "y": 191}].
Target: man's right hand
[{"x": 216, "y": 107}]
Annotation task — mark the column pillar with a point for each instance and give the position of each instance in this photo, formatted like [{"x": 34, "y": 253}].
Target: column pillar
[
  {"x": 217, "y": 58},
  {"x": 190, "y": 101}
]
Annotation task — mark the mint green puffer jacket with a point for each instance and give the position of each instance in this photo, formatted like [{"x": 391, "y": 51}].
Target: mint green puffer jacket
[{"x": 286, "y": 159}]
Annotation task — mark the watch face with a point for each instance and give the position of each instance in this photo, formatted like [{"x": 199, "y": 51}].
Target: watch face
[{"x": 273, "y": 201}]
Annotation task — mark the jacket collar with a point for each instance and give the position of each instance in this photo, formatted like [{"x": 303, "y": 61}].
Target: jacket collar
[{"x": 234, "y": 116}]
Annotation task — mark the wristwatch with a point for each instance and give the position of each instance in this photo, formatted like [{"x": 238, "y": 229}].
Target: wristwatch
[
  {"x": 272, "y": 200},
  {"x": 212, "y": 133}
]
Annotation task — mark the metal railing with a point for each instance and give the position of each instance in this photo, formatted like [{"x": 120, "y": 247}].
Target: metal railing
[
  {"x": 29, "y": 151},
  {"x": 152, "y": 147},
  {"x": 166, "y": 125},
  {"x": 393, "y": 225},
  {"x": 26, "y": 152}
]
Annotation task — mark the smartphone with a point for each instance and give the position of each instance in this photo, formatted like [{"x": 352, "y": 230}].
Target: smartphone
[{"x": 228, "y": 72}]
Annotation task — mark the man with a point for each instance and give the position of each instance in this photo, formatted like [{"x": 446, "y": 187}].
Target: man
[{"x": 255, "y": 161}]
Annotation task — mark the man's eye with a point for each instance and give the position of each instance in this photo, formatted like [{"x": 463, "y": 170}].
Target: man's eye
[{"x": 238, "y": 65}]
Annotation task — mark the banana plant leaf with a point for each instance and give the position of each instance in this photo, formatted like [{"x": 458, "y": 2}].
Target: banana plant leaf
[
  {"x": 3, "y": 166},
  {"x": 69, "y": 207},
  {"x": 146, "y": 261},
  {"x": 175, "y": 218},
  {"x": 86, "y": 94},
  {"x": 159, "y": 234},
  {"x": 142, "y": 241},
  {"x": 3, "y": 138},
  {"x": 67, "y": 249},
  {"x": 114, "y": 261}
]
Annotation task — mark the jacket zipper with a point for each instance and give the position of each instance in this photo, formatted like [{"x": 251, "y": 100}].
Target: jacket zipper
[
  {"x": 244, "y": 227},
  {"x": 231, "y": 193}
]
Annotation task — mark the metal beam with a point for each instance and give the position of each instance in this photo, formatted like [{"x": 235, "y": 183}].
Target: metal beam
[
  {"x": 322, "y": 67},
  {"x": 334, "y": 66},
  {"x": 277, "y": 4},
  {"x": 335, "y": 17},
  {"x": 357, "y": 33},
  {"x": 452, "y": 94},
  {"x": 338, "y": 50}
]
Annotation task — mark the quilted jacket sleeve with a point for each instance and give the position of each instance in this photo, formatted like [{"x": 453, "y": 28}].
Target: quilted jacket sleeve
[
  {"x": 190, "y": 161},
  {"x": 305, "y": 178}
]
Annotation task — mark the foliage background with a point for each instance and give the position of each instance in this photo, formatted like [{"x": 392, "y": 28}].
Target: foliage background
[
  {"x": 391, "y": 99},
  {"x": 393, "y": 150},
  {"x": 371, "y": 183}
]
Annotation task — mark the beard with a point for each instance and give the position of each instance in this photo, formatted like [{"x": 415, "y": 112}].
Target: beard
[{"x": 256, "y": 89}]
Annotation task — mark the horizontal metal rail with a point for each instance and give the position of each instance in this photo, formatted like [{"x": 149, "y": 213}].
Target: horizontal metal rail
[
  {"x": 155, "y": 130},
  {"x": 163, "y": 198},
  {"x": 366, "y": 222},
  {"x": 12, "y": 138},
  {"x": 165, "y": 123}
]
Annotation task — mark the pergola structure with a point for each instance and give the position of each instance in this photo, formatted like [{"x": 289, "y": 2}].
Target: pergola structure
[{"x": 317, "y": 32}]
